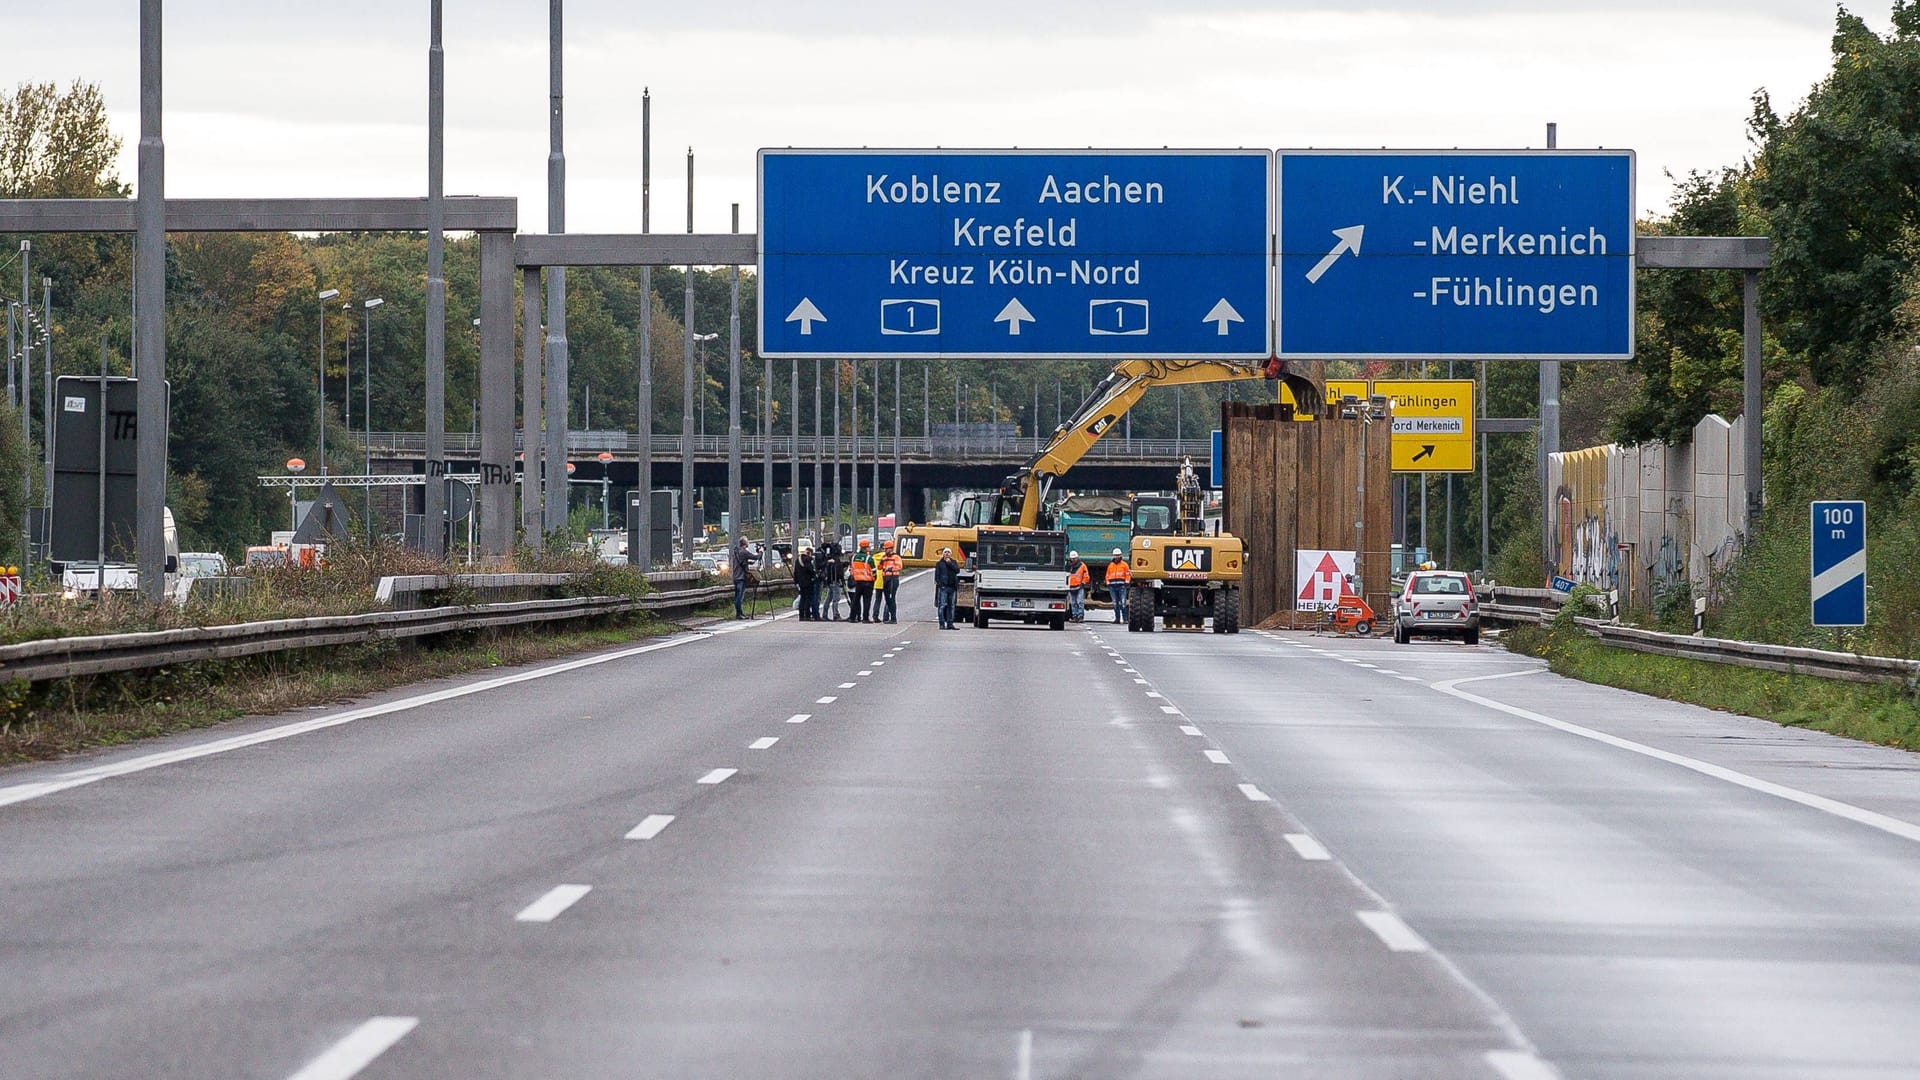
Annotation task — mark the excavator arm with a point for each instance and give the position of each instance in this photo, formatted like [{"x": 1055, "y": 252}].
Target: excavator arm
[{"x": 1117, "y": 393}]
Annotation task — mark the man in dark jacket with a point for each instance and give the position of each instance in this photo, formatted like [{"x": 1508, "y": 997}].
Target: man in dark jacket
[
  {"x": 803, "y": 580},
  {"x": 830, "y": 568},
  {"x": 946, "y": 585},
  {"x": 739, "y": 563}
]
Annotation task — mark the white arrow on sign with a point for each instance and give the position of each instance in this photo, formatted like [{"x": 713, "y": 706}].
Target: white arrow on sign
[
  {"x": 806, "y": 315},
  {"x": 1222, "y": 314},
  {"x": 1013, "y": 315},
  {"x": 1349, "y": 241}
]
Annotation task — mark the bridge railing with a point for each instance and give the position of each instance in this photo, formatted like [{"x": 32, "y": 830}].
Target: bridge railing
[{"x": 625, "y": 444}]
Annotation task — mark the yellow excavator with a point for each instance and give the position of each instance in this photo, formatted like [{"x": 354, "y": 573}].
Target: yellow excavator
[{"x": 1022, "y": 497}]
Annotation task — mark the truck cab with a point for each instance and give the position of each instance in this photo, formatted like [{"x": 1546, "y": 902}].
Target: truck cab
[{"x": 1020, "y": 574}]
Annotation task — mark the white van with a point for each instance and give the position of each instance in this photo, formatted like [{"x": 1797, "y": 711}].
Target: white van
[{"x": 78, "y": 579}]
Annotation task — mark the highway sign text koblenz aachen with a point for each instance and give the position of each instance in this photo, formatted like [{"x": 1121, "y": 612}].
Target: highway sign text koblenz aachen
[{"x": 1014, "y": 253}]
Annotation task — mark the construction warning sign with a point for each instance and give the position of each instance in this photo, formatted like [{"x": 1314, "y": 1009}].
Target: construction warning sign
[{"x": 1432, "y": 424}]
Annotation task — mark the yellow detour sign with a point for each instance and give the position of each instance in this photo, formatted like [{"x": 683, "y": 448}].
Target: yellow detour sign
[
  {"x": 1432, "y": 424},
  {"x": 1336, "y": 388}
]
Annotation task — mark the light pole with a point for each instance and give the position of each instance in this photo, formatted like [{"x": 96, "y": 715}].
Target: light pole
[
  {"x": 366, "y": 392},
  {"x": 606, "y": 463},
  {"x": 324, "y": 297},
  {"x": 700, "y": 352}
]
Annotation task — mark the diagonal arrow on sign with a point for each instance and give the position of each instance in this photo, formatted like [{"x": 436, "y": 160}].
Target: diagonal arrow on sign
[
  {"x": 1349, "y": 241},
  {"x": 1426, "y": 451},
  {"x": 806, "y": 315}
]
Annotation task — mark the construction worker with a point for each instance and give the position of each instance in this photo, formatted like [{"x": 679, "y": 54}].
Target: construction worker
[
  {"x": 1077, "y": 578},
  {"x": 946, "y": 587},
  {"x": 860, "y": 575},
  {"x": 891, "y": 567},
  {"x": 1119, "y": 576}
]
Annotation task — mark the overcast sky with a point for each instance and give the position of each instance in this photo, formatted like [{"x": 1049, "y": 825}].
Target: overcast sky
[{"x": 268, "y": 99}]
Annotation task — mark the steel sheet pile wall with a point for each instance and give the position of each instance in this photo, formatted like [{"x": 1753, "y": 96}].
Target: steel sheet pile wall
[
  {"x": 1643, "y": 519},
  {"x": 1292, "y": 486}
]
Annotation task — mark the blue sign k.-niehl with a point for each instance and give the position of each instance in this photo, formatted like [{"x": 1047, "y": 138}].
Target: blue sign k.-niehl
[
  {"x": 1839, "y": 563},
  {"x": 1467, "y": 254},
  {"x": 1014, "y": 253}
]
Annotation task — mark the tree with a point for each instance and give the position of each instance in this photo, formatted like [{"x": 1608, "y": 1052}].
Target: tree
[
  {"x": 1839, "y": 180},
  {"x": 1689, "y": 348},
  {"x": 57, "y": 145}
]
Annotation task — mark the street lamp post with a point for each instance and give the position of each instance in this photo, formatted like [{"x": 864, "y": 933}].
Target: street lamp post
[
  {"x": 324, "y": 297},
  {"x": 366, "y": 391},
  {"x": 606, "y": 463}
]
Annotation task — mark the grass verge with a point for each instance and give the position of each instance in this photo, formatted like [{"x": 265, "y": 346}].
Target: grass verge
[
  {"x": 76, "y": 714},
  {"x": 1887, "y": 715}
]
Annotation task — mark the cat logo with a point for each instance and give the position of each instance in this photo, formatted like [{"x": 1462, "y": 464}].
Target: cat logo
[
  {"x": 910, "y": 546},
  {"x": 1099, "y": 427},
  {"x": 1189, "y": 560}
]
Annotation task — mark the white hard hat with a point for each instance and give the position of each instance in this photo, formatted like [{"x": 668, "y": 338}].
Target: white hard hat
[
  {"x": 1073, "y": 554},
  {"x": 1116, "y": 551}
]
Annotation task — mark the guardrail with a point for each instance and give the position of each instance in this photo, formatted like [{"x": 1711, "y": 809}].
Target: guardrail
[
  {"x": 58, "y": 658},
  {"x": 1538, "y": 606}
]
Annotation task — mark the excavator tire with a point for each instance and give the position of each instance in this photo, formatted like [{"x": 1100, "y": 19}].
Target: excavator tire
[
  {"x": 1140, "y": 610},
  {"x": 1226, "y": 611}
]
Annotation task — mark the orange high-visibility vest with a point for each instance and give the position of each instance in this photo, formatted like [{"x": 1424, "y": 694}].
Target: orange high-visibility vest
[
  {"x": 862, "y": 567},
  {"x": 1119, "y": 571},
  {"x": 890, "y": 564},
  {"x": 1079, "y": 578}
]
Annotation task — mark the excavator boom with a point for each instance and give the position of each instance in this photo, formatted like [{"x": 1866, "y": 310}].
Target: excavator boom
[{"x": 1117, "y": 393}]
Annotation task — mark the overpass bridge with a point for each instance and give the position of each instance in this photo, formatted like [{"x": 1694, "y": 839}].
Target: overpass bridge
[{"x": 926, "y": 464}]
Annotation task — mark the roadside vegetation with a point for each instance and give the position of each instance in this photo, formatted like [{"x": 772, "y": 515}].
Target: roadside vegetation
[{"x": 1888, "y": 715}]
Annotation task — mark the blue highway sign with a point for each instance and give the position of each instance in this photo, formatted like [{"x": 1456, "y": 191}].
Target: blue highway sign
[
  {"x": 1839, "y": 563},
  {"x": 1455, "y": 254},
  {"x": 1015, "y": 253}
]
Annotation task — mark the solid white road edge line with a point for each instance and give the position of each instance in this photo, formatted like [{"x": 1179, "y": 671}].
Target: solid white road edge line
[
  {"x": 1307, "y": 847},
  {"x": 358, "y": 1049},
  {"x": 1393, "y": 931},
  {"x": 1904, "y": 829},
  {"x": 717, "y": 776},
  {"x": 1520, "y": 1065},
  {"x": 763, "y": 743},
  {"x": 549, "y": 907},
  {"x": 20, "y": 793},
  {"x": 650, "y": 826}
]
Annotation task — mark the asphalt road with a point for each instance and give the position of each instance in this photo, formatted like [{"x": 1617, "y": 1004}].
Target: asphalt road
[{"x": 798, "y": 850}]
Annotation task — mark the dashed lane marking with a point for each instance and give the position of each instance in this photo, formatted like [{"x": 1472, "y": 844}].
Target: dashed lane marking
[
  {"x": 1155, "y": 694},
  {"x": 1217, "y": 757},
  {"x": 1392, "y": 931},
  {"x": 1308, "y": 848},
  {"x": 717, "y": 776},
  {"x": 864, "y": 673},
  {"x": 799, "y": 718},
  {"x": 1254, "y": 794},
  {"x": 650, "y": 826},
  {"x": 1189, "y": 729},
  {"x": 764, "y": 743},
  {"x": 548, "y": 907},
  {"x": 1170, "y": 710},
  {"x": 825, "y": 700},
  {"x": 848, "y": 685},
  {"x": 358, "y": 1050}
]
